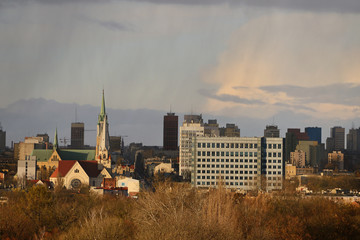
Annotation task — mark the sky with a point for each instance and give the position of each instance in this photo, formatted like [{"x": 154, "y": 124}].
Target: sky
[{"x": 239, "y": 59}]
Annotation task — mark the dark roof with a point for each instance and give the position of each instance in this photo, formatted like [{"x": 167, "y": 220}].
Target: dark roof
[
  {"x": 77, "y": 154},
  {"x": 90, "y": 167}
]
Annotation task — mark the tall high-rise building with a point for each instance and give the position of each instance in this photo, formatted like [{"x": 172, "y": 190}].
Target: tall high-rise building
[
  {"x": 2, "y": 139},
  {"x": 212, "y": 128},
  {"x": 77, "y": 135},
  {"x": 336, "y": 141},
  {"x": 170, "y": 132},
  {"x": 353, "y": 140},
  {"x": 272, "y": 131},
  {"x": 293, "y": 136},
  {"x": 191, "y": 128},
  {"x": 314, "y": 133}
]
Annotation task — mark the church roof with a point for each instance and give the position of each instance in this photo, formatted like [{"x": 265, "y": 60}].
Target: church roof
[
  {"x": 77, "y": 154},
  {"x": 42, "y": 155},
  {"x": 63, "y": 168},
  {"x": 90, "y": 167}
]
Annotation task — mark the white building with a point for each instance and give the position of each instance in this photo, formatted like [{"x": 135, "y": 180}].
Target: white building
[
  {"x": 133, "y": 185},
  {"x": 238, "y": 162},
  {"x": 27, "y": 168},
  {"x": 192, "y": 126}
]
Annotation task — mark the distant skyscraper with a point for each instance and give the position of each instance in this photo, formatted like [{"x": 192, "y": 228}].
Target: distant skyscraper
[
  {"x": 353, "y": 140},
  {"x": 292, "y": 138},
  {"x": 170, "y": 132},
  {"x": 314, "y": 133},
  {"x": 272, "y": 131},
  {"x": 231, "y": 130},
  {"x": 77, "y": 135},
  {"x": 2, "y": 139},
  {"x": 336, "y": 141}
]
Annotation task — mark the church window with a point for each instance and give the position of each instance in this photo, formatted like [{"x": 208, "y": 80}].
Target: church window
[{"x": 76, "y": 171}]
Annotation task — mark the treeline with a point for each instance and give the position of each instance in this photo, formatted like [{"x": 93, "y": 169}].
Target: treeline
[
  {"x": 324, "y": 183},
  {"x": 174, "y": 211}
]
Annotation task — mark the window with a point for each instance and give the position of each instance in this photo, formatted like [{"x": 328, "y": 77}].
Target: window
[
  {"x": 213, "y": 145},
  {"x": 279, "y": 146},
  {"x": 279, "y": 154},
  {"x": 269, "y": 146},
  {"x": 255, "y": 145},
  {"x": 208, "y": 145},
  {"x": 199, "y": 153},
  {"x": 203, "y": 145},
  {"x": 76, "y": 171},
  {"x": 274, "y": 146},
  {"x": 199, "y": 145},
  {"x": 241, "y": 145},
  {"x": 269, "y": 154}
]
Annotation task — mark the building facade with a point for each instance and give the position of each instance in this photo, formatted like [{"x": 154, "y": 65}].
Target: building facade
[
  {"x": 77, "y": 135},
  {"x": 170, "y": 132},
  {"x": 191, "y": 128},
  {"x": 237, "y": 162},
  {"x": 314, "y": 133},
  {"x": 336, "y": 141},
  {"x": 298, "y": 158},
  {"x": 2, "y": 139},
  {"x": 353, "y": 140},
  {"x": 272, "y": 131}
]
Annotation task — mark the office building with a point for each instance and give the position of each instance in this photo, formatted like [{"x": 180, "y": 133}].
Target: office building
[
  {"x": 170, "y": 132},
  {"x": 231, "y": 130},
  {"x": 116, "y": 144},
  {"x": 237, "y": 162},
  {"x": 191, "y": 128},
  {"x": 292, "y": 138},
  {"x": 314, "y": 133},
  {"x": 272, "y": 131},
  {"x": 298, "y": 158},
  {"x": 336, "y": 158},
  {"x": 27, "y": 168},
  {"x": 336, "y": 141},
  {"x": 2, "y": 139},
  {"x": 212, "y": 128},
  {"x": 77, "y": 135},
  {"x": 353, "y": 140}
]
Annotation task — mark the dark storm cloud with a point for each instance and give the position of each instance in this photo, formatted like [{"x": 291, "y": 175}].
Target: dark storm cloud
[
  {"x": 345, "y": 93},
  {"x": 228, "y": 97},
  {"x": 308, "y": 5}
]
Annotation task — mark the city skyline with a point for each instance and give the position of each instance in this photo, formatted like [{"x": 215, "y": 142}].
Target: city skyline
[{"x": 242, "y": 61}]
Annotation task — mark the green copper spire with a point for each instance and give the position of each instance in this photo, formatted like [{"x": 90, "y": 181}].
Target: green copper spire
[
  {"x": 55, "y": 145},
  {"x": 102, "y": 112}
]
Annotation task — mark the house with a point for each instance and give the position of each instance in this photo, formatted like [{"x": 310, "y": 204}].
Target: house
[
  {"x": 132, "y": 185},
  {"x": 74, "y": 174}
]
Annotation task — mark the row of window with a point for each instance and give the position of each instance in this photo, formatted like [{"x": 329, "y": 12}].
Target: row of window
[
  {"x": 274, "y": 154},
  {"x": 227, "y": 160},
  {"x": 225, "y": 172},
  {"x": 228, "y": 145},
  {"x": 228, "y": 177},
  {"x": 227, "y": 166},
  {"x": 237, "y": 184},
  {"x": 228, "y": 154}
]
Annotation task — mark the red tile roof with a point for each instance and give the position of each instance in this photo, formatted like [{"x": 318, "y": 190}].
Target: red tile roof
[{"x": 63, "y": 168}]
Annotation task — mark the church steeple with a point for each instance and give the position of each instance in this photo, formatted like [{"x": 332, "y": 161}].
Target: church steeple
[
  {"x": 102, "y": 111},
  {"x": 102, "y": 137},
  {"x": 55, "y": 145}
]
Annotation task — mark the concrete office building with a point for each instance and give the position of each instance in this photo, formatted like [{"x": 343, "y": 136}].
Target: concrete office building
[
  {"x": 293, "y": 136},
  {"x": 27, "y": 168},
  {"x": 77, "y": 135},
  {"x": 2, "y": 139},
  {"x": 272, "y": 131},
  {"x": 212, "y": 128},
  {"x": 336, "y": 141},
  {"x": 353, "y": 140},
  {"x": 337, "y": 157},
  {"x": 237, "y": 162},
  {"x": 298, "y": 158},
  {"x": 231, "y": 130},
  {"x": 192, "y": 126},
  {"x": 314, "y": 133},
  {"x": 170, "y": 132}
]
